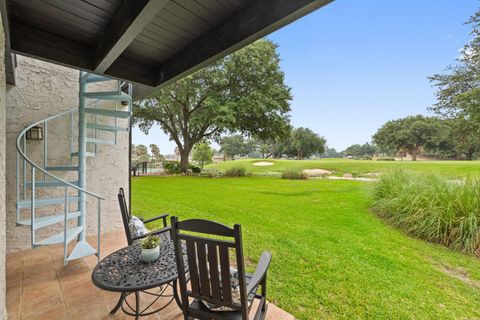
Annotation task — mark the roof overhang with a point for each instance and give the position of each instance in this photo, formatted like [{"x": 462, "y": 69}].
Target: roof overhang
[{"x": 150, "y": 43}]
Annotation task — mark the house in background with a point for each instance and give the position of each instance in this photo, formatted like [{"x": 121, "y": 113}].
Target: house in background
[{"x": 68, "y": 74}]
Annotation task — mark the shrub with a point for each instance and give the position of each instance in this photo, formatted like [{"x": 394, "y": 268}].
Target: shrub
[
  {"x": 293, "y": 174},
  {"x": 172, "y": 167},
  {"x": 432, "y": 208},
  {"x": 236, "y": 171},
  {"x": 194, "y": 168},
  {"x": 356, "y": 174},
  {"x": 385, "y": 159}
]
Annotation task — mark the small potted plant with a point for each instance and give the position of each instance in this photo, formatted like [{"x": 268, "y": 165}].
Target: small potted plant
[{"x": 150, "y": 249}]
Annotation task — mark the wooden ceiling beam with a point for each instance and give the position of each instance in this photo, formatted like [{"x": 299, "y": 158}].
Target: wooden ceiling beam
[
  {"x": 132, "y": 71},
  {"x": 35, "y": 43},
  {"x": 255, "y": 21},
  {"x": 124, "y": 27}
]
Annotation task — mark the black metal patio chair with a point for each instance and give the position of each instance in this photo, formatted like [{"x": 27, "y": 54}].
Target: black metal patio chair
[
  {"x": 215, "y": 289},
  {"x": 163, "y": 233}
]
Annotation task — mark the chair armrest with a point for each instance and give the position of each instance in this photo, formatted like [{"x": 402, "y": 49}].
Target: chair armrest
[
  {"x": 152, "y": 233},
  {"x": 163, "y": 216},
  {"x": 260, "y": 272}
]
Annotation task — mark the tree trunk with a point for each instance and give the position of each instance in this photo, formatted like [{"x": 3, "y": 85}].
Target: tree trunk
[
  {"x": 469, "y": 153},
  {"x": 184, "y": 159},
  {"x": 414, "y": 153}
]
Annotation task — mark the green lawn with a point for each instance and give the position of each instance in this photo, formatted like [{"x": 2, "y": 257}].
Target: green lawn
[
  {"x": 359, "y": 167},
  {"x": 332, "y": 258}
]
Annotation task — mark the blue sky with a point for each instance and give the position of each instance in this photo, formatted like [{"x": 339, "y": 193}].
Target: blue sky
[{"x": 353, "y": 65}]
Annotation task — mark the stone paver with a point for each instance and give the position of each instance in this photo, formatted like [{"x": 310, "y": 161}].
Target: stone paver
[{"x": 40, "y": 287}]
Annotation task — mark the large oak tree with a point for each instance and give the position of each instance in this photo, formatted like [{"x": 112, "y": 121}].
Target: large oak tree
[
  {"x": 303, "y": 143},
  {"x": 234, "y": 145},
  {"x": 411, "y": 134},
  {"x": 458, "y": 95},
  {"x": 244, "y": 92}
]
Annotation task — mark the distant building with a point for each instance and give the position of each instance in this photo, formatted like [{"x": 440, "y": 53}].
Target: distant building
[
  {"x": 172, "y": 157},
  {"x": 218, "y": 158}
]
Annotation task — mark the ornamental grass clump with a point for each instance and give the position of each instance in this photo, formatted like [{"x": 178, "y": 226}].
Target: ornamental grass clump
[
  {"x": 432, "y": 207},
  {"x": 236, "y": 171},
  {"x": 293, "y": 174}
]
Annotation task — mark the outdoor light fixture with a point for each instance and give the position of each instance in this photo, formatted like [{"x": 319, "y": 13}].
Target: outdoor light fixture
[{"x": 35, "y": 133}]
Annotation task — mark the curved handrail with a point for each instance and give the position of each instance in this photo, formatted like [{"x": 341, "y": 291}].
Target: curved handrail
[{"x": 26, "y": 158}]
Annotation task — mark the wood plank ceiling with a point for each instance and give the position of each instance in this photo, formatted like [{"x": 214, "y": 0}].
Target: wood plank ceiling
[{"x": 148, "y": 42}]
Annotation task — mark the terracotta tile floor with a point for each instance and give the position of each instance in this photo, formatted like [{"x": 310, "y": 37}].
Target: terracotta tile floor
[{"x": 39, "y": 286}]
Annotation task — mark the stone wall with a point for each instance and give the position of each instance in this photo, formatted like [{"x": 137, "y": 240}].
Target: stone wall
[
  {"x": 43, "y": 89},
  {"x": 3, "y": 314}
]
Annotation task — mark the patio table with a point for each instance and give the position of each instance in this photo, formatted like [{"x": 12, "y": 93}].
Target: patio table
[{"x": 124, "y": 272}]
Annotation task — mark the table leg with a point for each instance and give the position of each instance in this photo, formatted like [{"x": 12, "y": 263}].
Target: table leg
[
  {"x": 119, "y": 303},
  {"x": 137, "y": 305}
]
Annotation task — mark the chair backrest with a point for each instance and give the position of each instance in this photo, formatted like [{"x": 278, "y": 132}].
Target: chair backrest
[
  {"x": 126, "y": 216},
  {"x": 208, "y": 262}
]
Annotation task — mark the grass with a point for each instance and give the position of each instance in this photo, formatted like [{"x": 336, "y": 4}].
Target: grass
[
  {"x": 453, "y": 169},
  {"x": 236, "y": 171},
  {"x": 432, "y": 207},
  {"x": 332, "y": 258},
  {"x": 294, "y": 174}
]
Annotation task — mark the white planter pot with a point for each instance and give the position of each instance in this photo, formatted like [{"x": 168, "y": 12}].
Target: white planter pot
[{"x": 149, "y": 255}]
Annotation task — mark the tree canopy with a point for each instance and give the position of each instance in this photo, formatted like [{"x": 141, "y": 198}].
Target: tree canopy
[
  {"x": 366, "y": 150},
  {"x": 303, "y": 143},
  {"x": 331, "y": 153},
  {"x": 202, "y": 154},
  {"x": 244, "y": 92},
  {"x": 458, "y": 95},
  {"x": 412, "y": 134},
  {"x": 155, "y": 151},
  {"x": 141, "y": 153},
  {"x": 300, "y": 143},
  {"x": 235, "y": 145}
]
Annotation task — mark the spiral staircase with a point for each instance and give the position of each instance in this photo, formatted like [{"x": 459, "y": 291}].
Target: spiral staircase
[{"x": 52, "y": 193}]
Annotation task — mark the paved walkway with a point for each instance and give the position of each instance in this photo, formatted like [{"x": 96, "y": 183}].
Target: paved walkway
[{"x": 39, "y": 286}]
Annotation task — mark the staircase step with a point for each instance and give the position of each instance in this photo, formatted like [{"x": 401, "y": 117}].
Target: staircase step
[
  {"x": 82, "y": 249},
  {"x": 108, "y": 112},
  {"x": 41, "y": 222},
  {"x": 62, "y": 168},
  {"x": 87, "y": 154},
  {"x": 50, "y": 183},
  {"x": 108, "y": 95},
  {"x": 26, "y": 204},
  {"x": 96, "y": 78},
  {"x": 105, "y": 127},
  {"x": 99, "y": 141},
  {"x": 59, "y": 237}
]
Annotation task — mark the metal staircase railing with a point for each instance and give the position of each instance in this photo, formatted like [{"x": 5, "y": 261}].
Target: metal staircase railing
[{"x": 26, "y": 187}]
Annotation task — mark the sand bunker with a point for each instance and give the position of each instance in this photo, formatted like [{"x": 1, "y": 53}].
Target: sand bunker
[
  {"x": 352, "y": 178},
  {"x": 317, "y": 172},
  {"x": 263, "y": 163}
]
